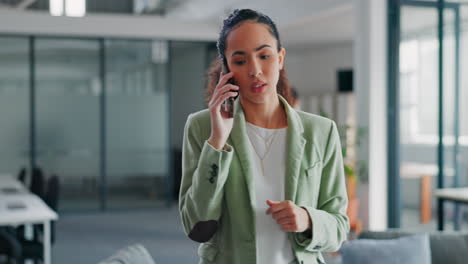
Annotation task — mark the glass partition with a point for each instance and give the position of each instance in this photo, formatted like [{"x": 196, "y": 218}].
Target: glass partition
[
  {"x": 67, "y": 118},
  {"x": 14, "y": 105},
  {"x": 418, "y": 112},
  {"x": 104, "y": 115},
  {"x": 137, "y": 131},
  {"x": 431, "y": 116}
]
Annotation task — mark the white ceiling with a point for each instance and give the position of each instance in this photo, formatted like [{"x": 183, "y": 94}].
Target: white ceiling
[
  {"x": 301, "y": 22},
  {"x": 334, "y": 25}
]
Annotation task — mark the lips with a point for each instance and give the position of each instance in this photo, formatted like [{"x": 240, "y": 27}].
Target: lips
[{"x": 258, "y": 87}]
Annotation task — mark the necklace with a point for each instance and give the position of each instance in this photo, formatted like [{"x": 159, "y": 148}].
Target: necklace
[{"x": 268, "y": 141}]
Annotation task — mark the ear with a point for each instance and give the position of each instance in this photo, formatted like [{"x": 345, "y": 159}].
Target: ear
[{"x": 281, "y": 56}]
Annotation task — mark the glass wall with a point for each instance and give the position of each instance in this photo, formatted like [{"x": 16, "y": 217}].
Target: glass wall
[
  {"x": 100, "y": 114},
  {"x": 67, "y": 117},
  {"x": 188, "y": 67},
  {"x": 137, "y": 140},
  {"x": 14, "y": 104},
  {"x": 463, "y": 84},
  {"x": 429, "y": 96},
  {"x": 459, "y": 137},
  {"x": 418, "y": 116}
]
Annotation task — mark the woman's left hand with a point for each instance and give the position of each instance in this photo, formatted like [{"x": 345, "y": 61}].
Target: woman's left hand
[{"x": 289, "y": 216}]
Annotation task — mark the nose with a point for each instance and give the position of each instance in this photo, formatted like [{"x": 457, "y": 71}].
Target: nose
[{"x": 255, "y": 69}]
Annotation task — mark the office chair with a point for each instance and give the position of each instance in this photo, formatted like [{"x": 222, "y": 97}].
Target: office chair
[
  {"x": 51, "y": 199},
  {"x": 9, "y": 245},
  {"x": 22, "y": 175},
  {"x": 37, "y": 182}
]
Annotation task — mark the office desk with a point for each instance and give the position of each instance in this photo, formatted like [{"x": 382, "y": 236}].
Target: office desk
[
  {"x": 25, "y": 208},
  {"x": 457, "y": 195}
]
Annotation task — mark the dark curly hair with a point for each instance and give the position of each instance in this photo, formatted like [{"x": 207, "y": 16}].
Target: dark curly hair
[{"x": 236, "y": 18}]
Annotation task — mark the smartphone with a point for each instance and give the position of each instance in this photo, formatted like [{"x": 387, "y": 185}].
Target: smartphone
[{"x": 228, "y": 105}]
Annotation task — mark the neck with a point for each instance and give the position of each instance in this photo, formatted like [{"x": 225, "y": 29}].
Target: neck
[{"x": 270, "y": 114}]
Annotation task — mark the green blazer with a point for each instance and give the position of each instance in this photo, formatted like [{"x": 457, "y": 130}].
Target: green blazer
[{"x": 217, "y": 194}]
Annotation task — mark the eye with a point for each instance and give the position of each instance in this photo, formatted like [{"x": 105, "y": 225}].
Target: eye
[
  {"x": 239, "y": 62},
  {"x": 265, "y": 57}
]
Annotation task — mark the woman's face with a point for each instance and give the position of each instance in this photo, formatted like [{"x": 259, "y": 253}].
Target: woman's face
[{"x": 252, "y": 55}]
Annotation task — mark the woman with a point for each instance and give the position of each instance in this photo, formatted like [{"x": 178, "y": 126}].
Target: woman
[{"x": 266, "y": 186}]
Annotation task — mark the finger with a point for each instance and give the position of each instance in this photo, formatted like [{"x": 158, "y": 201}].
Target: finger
[
  {"x": 274, "y": 206},
  {"x": 271, "y": 202},
  {"x": 287, "y": 212},
  {"x": 285, "y": 220},
  {"x": 227, "y": 88},
  {"x": 224, "y": 89},
  {"x": 224, "y": 79},
  {"x": 217, "y": 103},
  {"x": 288, "y": 228},
  {"x": 279, "y": 206},
  {"x": 222, "y": 97}
]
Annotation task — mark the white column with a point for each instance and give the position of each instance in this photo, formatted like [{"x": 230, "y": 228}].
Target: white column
[{"x": 370, "y": 64}]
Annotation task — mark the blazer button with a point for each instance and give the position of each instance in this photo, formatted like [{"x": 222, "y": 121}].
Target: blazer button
[
  {"x": 211, "y": 179},
  {"x": 214, "y": 166},
  {"x": 214, "y": 173},
  {"x": 317, "y": 247}
]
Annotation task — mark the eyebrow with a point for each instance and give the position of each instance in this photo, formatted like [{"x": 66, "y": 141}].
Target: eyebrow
[{"x": 239, "y": 52}]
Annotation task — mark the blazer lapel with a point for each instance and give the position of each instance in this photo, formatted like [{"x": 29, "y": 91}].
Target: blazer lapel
[
  {"x": 241, "y": 148},
  {"x": 295, "y": 150}
]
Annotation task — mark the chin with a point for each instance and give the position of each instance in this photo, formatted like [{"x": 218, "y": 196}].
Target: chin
[{"x": 257, "y": 98}]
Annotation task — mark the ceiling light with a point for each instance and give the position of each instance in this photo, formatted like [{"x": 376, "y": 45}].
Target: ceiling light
[
  {"x": 56, "y": 7},
  {"x": 73, "y": 8}
]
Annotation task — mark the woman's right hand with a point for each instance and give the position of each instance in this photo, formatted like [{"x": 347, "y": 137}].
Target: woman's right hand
[{"x": 221, "y": 123}]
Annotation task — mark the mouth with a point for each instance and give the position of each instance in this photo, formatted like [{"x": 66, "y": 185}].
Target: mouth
[{"x": 258, "y": 87}]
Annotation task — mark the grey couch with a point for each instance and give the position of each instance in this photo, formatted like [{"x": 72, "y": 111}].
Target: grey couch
[
  {"x": 135, "y": 254},
  {"x": 446, "y": 247}
]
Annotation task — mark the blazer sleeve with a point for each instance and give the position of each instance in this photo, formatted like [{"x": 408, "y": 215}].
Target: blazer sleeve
[
  {"x": 204, "y": 173},
  {"x": 330, "y": 224}
]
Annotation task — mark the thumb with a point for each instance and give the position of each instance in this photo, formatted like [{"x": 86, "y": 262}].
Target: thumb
[{"x": 270, "y": 202}]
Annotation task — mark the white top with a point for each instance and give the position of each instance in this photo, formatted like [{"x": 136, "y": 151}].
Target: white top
[{"x": 272, "y": 243}]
